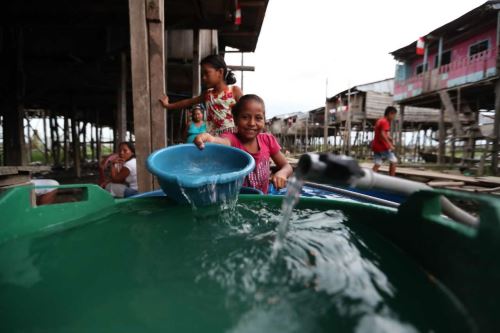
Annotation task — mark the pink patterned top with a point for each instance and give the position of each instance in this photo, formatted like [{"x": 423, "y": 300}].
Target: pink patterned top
[
  {"x": 268, "y": 146},
  {"x": 219, "y": 116}
]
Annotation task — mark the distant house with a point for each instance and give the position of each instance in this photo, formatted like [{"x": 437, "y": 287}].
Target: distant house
[
  {"x": 457, "y": 54},
  {"x": 458, "y": 73},
  {"x": 367, "y": 103}
]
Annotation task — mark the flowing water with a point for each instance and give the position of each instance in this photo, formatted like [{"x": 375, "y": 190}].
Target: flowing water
[
  {"x": 149, "y": 266},
  {"x": 290, "y": 199}
]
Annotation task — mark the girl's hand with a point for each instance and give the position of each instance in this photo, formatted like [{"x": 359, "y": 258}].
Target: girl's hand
[
  {"x": 164, "y": 100},
  {"x": 279, "y": 180},
  {"x": 200, "y": 140}
]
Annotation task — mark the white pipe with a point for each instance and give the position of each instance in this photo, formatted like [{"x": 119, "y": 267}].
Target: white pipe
[{"x": 372, "y": 180}]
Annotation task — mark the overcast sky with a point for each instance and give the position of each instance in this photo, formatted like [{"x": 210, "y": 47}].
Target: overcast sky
[{"x": 302, "y": 43}]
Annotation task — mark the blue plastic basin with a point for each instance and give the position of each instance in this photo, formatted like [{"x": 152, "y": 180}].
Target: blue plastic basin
[{"x": 212, "y": 175}]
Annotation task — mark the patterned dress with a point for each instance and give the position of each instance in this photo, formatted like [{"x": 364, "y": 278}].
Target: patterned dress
[
  {"x": 219, "y": 115},
  {"x": 268, "y": 146}
]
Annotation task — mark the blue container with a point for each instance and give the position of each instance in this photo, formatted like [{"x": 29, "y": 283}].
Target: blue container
[{"x": 201, "y": 177}]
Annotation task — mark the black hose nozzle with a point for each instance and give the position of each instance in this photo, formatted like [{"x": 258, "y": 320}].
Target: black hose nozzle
[{"x": 330, "y": 168}]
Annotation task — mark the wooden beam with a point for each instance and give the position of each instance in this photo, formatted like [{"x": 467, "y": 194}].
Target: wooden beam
[
  {"x": 401, "y": 132},
  {"x": 450, "y": 110},
  {"x": 196, "y": 63},
  {"x": 157, "y": 82},
  {"x": 121, "y": 110},
  {"x": 76, "y": 147},
  {"x": 496, "y": 131},
  {"x": 139, "y": 59},
  {"x": 241, "y": 68},
  {"x": 442, "y": 138}
]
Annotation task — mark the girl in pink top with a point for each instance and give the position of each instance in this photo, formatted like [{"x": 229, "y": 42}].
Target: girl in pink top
[
  {"x": 249, "y": 116},
  {"x": 219, "y": 97}
]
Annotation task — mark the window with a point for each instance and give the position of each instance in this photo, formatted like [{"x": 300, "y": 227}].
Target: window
[
  {"x": 479, "y": 47},
  {"x": 420, "y": 68},
  {"x": 445, "y": 59}
]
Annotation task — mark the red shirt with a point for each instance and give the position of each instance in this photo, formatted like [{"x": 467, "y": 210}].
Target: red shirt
[
  {"x": 259, "y": 178},
  {"x": 379, "y": 144}
]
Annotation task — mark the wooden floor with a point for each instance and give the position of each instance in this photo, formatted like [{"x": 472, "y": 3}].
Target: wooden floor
[{"x": 437, "y": 179}]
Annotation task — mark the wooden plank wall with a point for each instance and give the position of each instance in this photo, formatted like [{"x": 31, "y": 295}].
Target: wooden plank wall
[{"x": 148, "y": 81}]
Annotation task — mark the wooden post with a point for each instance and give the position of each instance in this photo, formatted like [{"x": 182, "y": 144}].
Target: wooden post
[
  {"x": 401, "y": 132},
  {"x": 76, "y": 146},
  {"x": 121, "y": 110},
  {"x": 55, "y": 139},
  {"x": 66, "y": 141},
  {"x": 13, "y": 115},
  {"x": 440, "y": 53},
  {"x": 442, "y": 137},
  {"x": 45, "y": 139},
  {"x": 307, "y": 133},
  {"x": 30, "y": 146},
  {"x": 348, "y": 123},
  {"x": 139, "y": 59},
  {"x": 98, "y": 137},
  {"x": 155, "y": 18},
  {"x": 496, "y": 131},
  {"x": 196, "y": 63},
  {"x": 325, "y": 127},
  {"x": 83, "y": 133}
]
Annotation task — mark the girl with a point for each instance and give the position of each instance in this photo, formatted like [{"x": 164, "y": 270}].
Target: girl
[
  {"x": 123, "y": 180},
  {"x": 197, "y": 125},
  {"x": 218, "y": 99},
  {"x": 249, "y": 115}
]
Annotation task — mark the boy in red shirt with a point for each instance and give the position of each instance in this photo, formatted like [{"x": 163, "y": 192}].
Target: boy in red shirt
[{"x": 382, "y": 145}]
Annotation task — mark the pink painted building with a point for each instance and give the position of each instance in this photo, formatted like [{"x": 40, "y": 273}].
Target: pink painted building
[
  {"x": 459, "y": 74},
  {"x": 460, "y": 53}
]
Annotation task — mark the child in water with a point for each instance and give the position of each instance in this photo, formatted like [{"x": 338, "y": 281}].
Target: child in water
[
  {"x": 219, "y": 98},
  {"x": 250, "y": 117}
]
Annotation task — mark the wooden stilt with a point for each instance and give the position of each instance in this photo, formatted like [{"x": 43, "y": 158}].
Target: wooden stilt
[
  {"x": 98, "y": 135},
  {"x": 196, "y": 63},
  {"x": 45, "y": 139},
  {"x": 83, "y": 134},
  {"x": 121, "y": 110},
  {"x": 66, "y": 141},
  {"x": 13, "y": 115},
  {"x": 496, "y": 124},
  {"x": 139, "y": 57},
  {"x": 76, "y": 147},
  {"x": 442, "y": 137}
]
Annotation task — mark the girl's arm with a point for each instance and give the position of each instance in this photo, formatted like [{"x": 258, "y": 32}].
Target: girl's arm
[
  {"x": 119, "y": 177},
  {"x": 237, "y": 93},
  {"x": 200, "y": 140},
  {"x": 182, "y": 104},
  {"x": 284, "y": 170}
]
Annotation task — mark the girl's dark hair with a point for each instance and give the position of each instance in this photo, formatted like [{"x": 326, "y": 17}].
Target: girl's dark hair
[
  {"x": 217, "y": 62},
  {"x": 193, "y": 111},
  {"x": 245, "y": 99},
  {"x": 130, "y": 146}
]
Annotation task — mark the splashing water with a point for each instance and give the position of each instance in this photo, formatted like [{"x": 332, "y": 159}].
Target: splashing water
[
  {"x": 213, "y": 197},
  {"x": 291, "y": 199},
  {"x": 157, "y": 269}
]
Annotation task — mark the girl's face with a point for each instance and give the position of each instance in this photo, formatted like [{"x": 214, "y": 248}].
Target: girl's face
[
  {"x": 197, "y": 115},
  {"x": 251, "y": 120},
  {"x": 211, "y": 76},
  {"x": 125, "y": 152}
]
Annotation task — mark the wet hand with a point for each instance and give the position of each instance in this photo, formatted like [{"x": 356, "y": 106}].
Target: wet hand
[
  {"x": 279, "y": 180},
  {"x": 200, "y": 140}
]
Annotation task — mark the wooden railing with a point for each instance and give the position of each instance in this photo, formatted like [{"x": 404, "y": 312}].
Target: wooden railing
[{"x": 462, "y": 71}]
